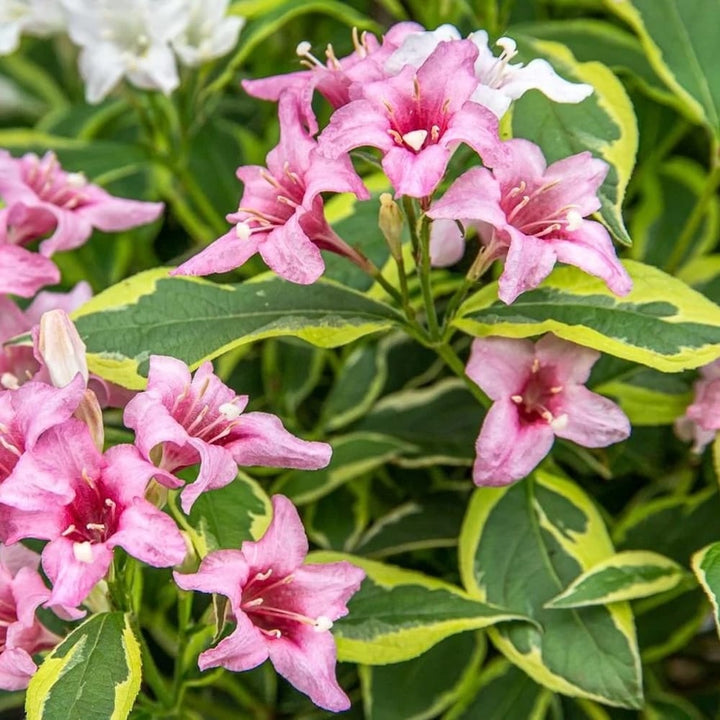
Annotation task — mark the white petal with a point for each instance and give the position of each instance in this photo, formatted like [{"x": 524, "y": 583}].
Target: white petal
[
  {"x": 416, "y": 48},
  {"x": 101, "y": 67}
]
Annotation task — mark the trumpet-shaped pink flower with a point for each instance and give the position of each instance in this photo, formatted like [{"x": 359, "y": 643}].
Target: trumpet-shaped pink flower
[
  {"x": 281, "y": 211},
  {"x": 200, "y": 419},
  {"x": 416, "y": 118},
  {"x": 702, "y": 417},
  {"x": 538, "y": 392},
  {"x": 533, "y": 215},
  {"x": 86, "y": 504},
  {"x": 283, "y": 609},
  {"x": 22, "y": 635},
  {"x": 41, "y": 197}
]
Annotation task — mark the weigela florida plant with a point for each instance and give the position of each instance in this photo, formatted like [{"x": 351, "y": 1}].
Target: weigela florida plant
[{"x": 447, "y": 207}]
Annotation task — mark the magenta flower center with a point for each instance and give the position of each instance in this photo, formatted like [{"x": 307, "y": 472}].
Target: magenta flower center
[
  {"x": 269, "y": 603},
  {"x": 11, "y": 448},
  {"x": 93, "y": 514},
  {"x": 208, "y": 421},
  {"x": 531, "y": 214},
  {"x": 416, "y": 125},
  {"x": 53, "y": 185},
  {"x": 8, "y": 616},
  {"x": 538, "y": 401}
]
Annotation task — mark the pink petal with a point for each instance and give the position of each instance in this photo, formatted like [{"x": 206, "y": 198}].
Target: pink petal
[
  {"x": 243, "y": 650},
  {"x": 73, "y": 579},
  {"x": 217, "y": 469},
  {"x": 477, "y": 127},
  {"x": 447, "y": 243},
  {"x": 261, "y": 439},
  {"x": 23, "y": 272},
  {"x": 354, "y": 125},
  {"x": 524, "y": 162},
  {"x": 528, "y": 262},
  {"x": 593, "y": 420},
  {"x": 572, "y": 362},
  {"x": 222, "y": 571},
  {"x": 16, "y": 669},
  {"x": 590, "y": 248},
  {"x": 475, "y": 195},
  {"x": 226, "y": 253},
  {"x": 500, "y": 366},
  {"x": 289, "y": 252},
  {"x": 508, "y": 449},
  {"x": 71, "y": 232},
  {"x": 415, "y": 174},
  {"x": 149, "y": 535},
  {"x": 307, "y": 661},
  {"x": 30, "y": 592},
  {"x": 284, "y": 545},
  {"x": 325, "y": 589}
]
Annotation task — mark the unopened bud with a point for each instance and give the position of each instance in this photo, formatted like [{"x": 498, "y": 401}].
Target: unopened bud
[
  {"x": 61, "y": 349},
  {"x": 391, "y": 223},
  {"x": 89, "y": 412}
]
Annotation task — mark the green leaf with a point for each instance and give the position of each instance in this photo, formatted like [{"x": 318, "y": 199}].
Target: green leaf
[
  {"x": 420, "y": 688},
  {"x": 93, "y": 674},
  {"x": 519, "y": 547},
  {"x": 414, "y": 526},
  {"x": 505, "y": 693},
  {"x": 661, "y": 323},
  {"x": 680, "y": 42},
  {"x": 226, "y": 517},
  {"x": 353, "y": 456},
  {"x": 603, "y": 123},
  {"x": 196, "y": 320},
  {"x": 398, "y": 614},
  {"x": 440, "y": 423},
  {"x": 333, "y": 530},
  {"x": 706, "y": 566},
  {"x": 664, "y": 706},
  {"x": 624, "y": 576}
]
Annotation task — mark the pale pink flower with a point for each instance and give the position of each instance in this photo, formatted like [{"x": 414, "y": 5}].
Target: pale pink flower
[
  {"x": 533, "y": 215},
  {"x": 281, "y": 211},
  {"x": 23, "y": 272},
  {"x": 41, "y": 197},
  {"x": 86, "y": 503},
  {"x": 702, "y": 417},
  {"x": 334, "y": 78},
  {"x": 184, "y": 420},
  {"x": 22, "y": 635},
  {"x": 538, "y": 392},
  {"x": 416, "y": 118},
  {"x": 283, "y": 610}
]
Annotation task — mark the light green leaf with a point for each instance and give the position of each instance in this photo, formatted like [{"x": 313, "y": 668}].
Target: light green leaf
[
  {"x": 519, "y": 547},
  {"x": 420, "y": 688},
  {"x": 624, "y": 576},
  {"x": 603, "y": 123},
  {"x": 680, "y": 41},
  {"x": 93, "y": 674},
  {"x": 196, "y": 320},
  {"x": 398, "y": 614},
  {"x": 706, "y": 566},
  {"x": 661, "y": 323}
]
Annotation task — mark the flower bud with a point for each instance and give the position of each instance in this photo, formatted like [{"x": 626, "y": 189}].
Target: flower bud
[
  {"x": 391, "y": 223},
  {"x": 60, "y": 348}
]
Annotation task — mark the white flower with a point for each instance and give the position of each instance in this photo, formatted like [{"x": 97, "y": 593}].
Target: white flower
[
  {"x": 501, "y": 82},
  {"x": 417, "y": 47},
  {"x": 128, "y": 38},
  {"x": 208, "y": 33},
  {"x": 29, "y": 17}
]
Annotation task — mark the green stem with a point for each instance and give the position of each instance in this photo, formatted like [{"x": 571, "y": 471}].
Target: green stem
[
  {"x": 453, "y": 361},
  {"x": 454, "y": 303},
  {"x": 151, "y": 675},
  {"x": 696, "y": 216},
  {"x": 409, "y": 209},
  {"x": 424, "y": 271}
]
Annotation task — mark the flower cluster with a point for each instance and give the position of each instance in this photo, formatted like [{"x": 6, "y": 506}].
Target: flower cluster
[{"x": 393, "y": 96}]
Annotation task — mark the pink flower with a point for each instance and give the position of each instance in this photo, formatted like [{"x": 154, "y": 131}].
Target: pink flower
[
  {"x": 532, "y": 215},
  {"x": 86, "y": 504},
  {"x": 22, "y": 635},
  {"x": 282, "y": 609},
  {"x": 702, "y": 417},
  {"x": 23, "y": 272},
  {"x": 334, "y": 78},
  {"x": 41, "y": 197},
  {"x": 538, "y": 392},
  {"x": 281, "y": 211},
  {"x": 200, "y": 419},
  {"x": 416, "y": 118}
]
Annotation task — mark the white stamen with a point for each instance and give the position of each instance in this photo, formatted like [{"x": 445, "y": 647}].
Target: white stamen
[
  {"x": 509, "y": 47},
  {"x": 556, "y": 389},
  {"x": 95, "y": 526},
  {"x": 303, "y": 48},
  {"x": 9, "y": 381},
  {"x": 69, "y": 530},
  {"x": 517, "y": 399},
  {"x": 242, "y": 231},
  {"x": 229, "y": 411},
  {"x": 415, "y": 139},
  {"x": 574, "y": 220},
  {"x": 265, "y": 575},
  {"x": 83, "y": 552},
  {"x": 560, "y": 422},
  {"x": 322, "y": 623},
  {"x": 76, "y": 180}
]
